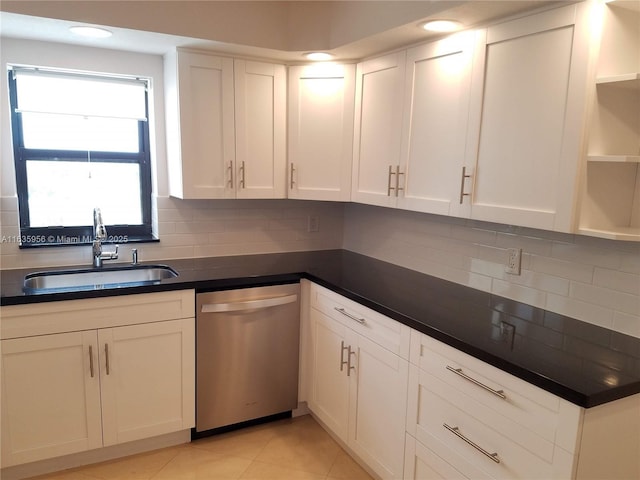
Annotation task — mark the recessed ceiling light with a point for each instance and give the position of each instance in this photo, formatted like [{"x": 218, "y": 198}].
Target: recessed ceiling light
[
  {"x": 93, "y": 32},
  {"x": 442, "y": 26},
  {"x": 318, "y": 56}
]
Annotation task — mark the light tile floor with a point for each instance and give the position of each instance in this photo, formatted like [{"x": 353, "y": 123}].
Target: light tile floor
[{"x": 292, "y": 449}]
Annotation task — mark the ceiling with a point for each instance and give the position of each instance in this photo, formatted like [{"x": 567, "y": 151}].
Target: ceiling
[{"x": 279, "y": 30}]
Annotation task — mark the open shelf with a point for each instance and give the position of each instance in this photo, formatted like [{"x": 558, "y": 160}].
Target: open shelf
[
  {"x": 614, "y": 158},
  {"x": 625, "y": 80},
  {"x": 630, "y": 234}
]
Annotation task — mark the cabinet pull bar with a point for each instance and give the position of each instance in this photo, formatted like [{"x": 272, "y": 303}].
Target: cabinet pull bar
[
  {"x": 456, "y": 432},
  {"x": 291, "y": 170},
  {"x": 106, "y": 356},
  {"x": 398, "y": 173},
  {"x": 458, "y": 371},
  {"x": 464, "y": 176},
  {"x": 389, "y": 187},
  {"x": 91, "y": 360},
  {"x": 342, "y": 361},
  {"x": 230, "y": 168},
  {"x": 349, "y": 366},
  {"x": 242, "y": 172},
  {"x": 361, "y": 321}
]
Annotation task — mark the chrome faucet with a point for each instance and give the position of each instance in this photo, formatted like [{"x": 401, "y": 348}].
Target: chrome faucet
[{"x": 99, "y": 235}]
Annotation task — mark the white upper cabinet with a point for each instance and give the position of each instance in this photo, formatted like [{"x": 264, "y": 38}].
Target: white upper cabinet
[
  {"x": 526, "y": 118},
  {"x": 436, "y": 110},
  {"x": 261, "y": 122},
  {"x": 200, "y": 125},
  {"x": 321, "y": 103},
  {"x": 226, "y": 127},
  {"x": 378, "y": 125}
]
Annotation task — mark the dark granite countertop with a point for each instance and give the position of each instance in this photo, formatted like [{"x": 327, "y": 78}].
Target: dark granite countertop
[{"x": 582, "y": 363}]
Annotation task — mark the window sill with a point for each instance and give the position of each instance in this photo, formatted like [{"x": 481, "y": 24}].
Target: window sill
[{"x": 82, "y": 241}]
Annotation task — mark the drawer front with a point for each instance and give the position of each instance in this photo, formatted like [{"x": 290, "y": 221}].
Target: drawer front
[
  {"x": 436, "y": 462},
  {"x": 91, "y": 313},
  {"x": 492, "y": 443},
  {"x": 382, "y": 330},
  {"x": 522, "y": 403}
]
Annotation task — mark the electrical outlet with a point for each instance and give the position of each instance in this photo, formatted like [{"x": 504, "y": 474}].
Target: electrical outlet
[
  {"x": 312, "y": 224},
  {"x": 514, "y": 259}
]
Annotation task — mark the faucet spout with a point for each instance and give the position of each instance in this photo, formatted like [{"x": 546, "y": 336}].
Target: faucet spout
[{"x": 99, "y": 235}]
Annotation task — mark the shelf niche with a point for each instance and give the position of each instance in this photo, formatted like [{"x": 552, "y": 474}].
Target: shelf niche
[{"x": 611, "y": 193}]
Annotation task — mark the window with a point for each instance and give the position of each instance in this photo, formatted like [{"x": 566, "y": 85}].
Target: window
[{"x": 80, "y": 141}]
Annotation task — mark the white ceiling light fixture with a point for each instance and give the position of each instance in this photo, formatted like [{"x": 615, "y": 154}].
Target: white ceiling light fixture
[
  {"x": 318, "y": 56},
  {"x": 442, "y": 26},
  {"x": 92, "y": 32}
]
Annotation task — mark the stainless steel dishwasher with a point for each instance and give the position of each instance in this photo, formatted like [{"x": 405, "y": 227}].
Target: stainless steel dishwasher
[{"x": 247, "y": 344}]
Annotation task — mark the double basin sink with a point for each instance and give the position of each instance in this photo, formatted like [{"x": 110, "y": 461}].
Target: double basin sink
[{"x": 97, "y": 278}]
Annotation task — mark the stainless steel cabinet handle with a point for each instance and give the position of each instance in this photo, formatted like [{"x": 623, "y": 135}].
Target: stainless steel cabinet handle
[
  {"x": 456, "y": 432},
  {"x": 106, "y": 356},
  {"x": 342, "y": 361},
  {"x": 242, "y": 172},
  {"x": 291, "y": 170},
  {"x": 230, "y": 169},
  {"x": 91, "y": 360},
  {"x": 398, "y": 173},
  {"x": 458, "y": 371},
  {"x": 464, "y": 176},
  {"x": 349, "y": 366},
  {"x": 361, "y": 321},
  {"x": 389, "y": 187},
  {"x": 248, "y": 305}
]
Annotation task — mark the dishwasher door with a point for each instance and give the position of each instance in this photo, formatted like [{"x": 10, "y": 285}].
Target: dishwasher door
[{"x": 247, "y": 344}]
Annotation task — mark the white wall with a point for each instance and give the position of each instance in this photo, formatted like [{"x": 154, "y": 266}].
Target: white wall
[{"x": 594, "y": 280}]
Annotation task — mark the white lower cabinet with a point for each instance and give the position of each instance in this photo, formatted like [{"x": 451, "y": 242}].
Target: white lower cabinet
[
  {"x": 468, "y": 419},
  {"x": 74, "y": 391},
  {"x": 465, "y": 419},
  {"x": 358, "y": 387}
]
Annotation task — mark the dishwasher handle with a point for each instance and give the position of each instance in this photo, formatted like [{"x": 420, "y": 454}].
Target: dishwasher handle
[{"x": 248, "y": 305}]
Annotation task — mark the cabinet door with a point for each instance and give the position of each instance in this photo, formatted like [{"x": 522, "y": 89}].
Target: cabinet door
[
  {"x": 329, "y": 389},
  {"x": 530, "y": 105},
  {"x": 378, "y": 125},
  {"x": 147, "y": 375},
  {"x": 201, "y": 159},
  {"x": 260, "y": 114},
  {"x": 321, "y": 106},
  {"x": 378, "y": 406},
  {"x": 436, "y": 111},
  {"x": 50, "y": 396}
]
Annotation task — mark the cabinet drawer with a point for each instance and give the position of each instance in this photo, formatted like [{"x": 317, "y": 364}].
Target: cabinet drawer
[
  {"x": 436, "y": 461},
  {"x": 524, "y": 405},
  {"x": 89, "y": 313},
  {"x": 484, "y": 439},
  {"x": 382, "y": 330}
]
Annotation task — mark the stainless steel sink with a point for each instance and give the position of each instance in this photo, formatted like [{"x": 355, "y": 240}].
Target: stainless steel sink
[{"x": 98, "y": 278}]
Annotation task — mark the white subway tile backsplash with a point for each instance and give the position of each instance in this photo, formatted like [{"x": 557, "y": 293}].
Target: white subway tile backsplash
[
  {"x": 530, "y": 296},
  {"x": 606, "y": 297},
  {"x": 542, "y": 282},
  {"x": 580, "y": 272},
  {"x": 593, "y": 280},
  {"x": 616, "y": 280},
  {"x": 625, "y": 323},
  {"x": 587, "y": 312},
  {"x": 599, "y": 257}
]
